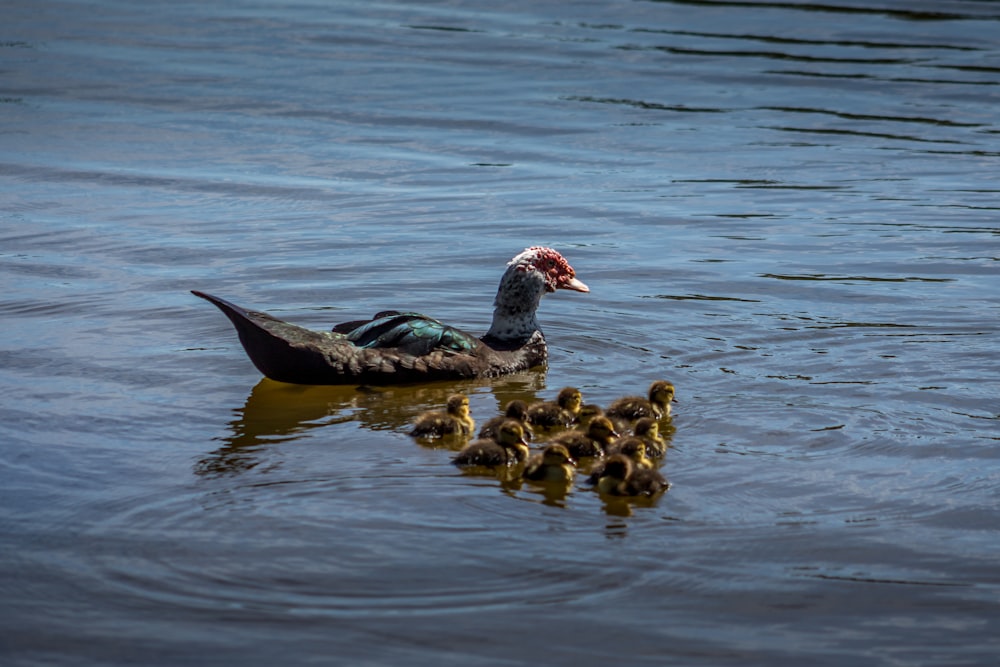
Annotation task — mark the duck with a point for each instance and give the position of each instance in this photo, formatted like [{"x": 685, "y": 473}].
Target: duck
[
  {"x": 396, "y": 347},
  {"x": 647, "y": 429},
  {"x": 552, "y": 464},
  {"x": 621, "y": 477},
  {"x": 592, "y": 443},
  {"x": 508, "y": 448},
  {"x": 561, "y": 412},
  {"x": 516, "y": 410},
  {"x": 454, "y": 420},
  {"x": 656, "y": 406}
]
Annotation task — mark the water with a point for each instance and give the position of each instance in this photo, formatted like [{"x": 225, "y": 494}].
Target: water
[{"x": 789, "y": 210}]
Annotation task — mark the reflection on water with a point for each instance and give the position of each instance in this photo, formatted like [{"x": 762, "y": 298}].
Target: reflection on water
[{"x": 276, "y": 412}]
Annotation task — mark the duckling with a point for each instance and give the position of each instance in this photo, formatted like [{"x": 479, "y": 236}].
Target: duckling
[
  {"x": 630, "y": 446},
  {"x": 516, "y": 410},
  {"x": 588, "y": 411},
  {"x": 455, "y": 420},
  {"x": 634, "y": 448},
  {"x": 657, "y": 406},
  {"x": 509, "y": 447},
  {"x": 599, "y": 435},
  {"x": 552, "y": 464},
  {"x": 621, "y": 477},
  {"x": 561, "y": 412},
  {"x": 648, "y": 430}
]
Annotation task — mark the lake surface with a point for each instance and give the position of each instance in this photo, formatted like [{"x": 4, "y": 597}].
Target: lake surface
[{"x": 791, "y": 210}]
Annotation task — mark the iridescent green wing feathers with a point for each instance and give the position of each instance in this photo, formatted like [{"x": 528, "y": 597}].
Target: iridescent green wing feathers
[{"x": 412, "y": 332}]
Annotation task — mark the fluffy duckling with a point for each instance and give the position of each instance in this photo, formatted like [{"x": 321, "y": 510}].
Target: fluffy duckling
[
  {"x": 634, "y": 448},
  {"x": 599, "y": 435},
  {"x": 552, "y": 464},
  {"x": 509, "y": 447},
  {"x": 630, "y": 446},
  {"x": 516, "y": 410},
  {"x": 561, "y": 412},
  {"x": 657, "y": 406},
  {"x": 648, "y": 430},
  {"x": 620, "y": 477},
  {"x": 588, "y": 411},
  {"x": 455, "y": 420}
]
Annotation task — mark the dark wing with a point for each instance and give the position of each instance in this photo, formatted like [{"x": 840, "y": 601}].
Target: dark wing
[{"x": 411, "y": 332}]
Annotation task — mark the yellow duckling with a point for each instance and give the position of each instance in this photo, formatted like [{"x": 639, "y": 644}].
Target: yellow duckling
[
  {"x": 599, "y": 435},
  {"x": 648, "y": 430},
  {"x": 620, "y": 477},
  {"x": 552, "y": 464},
  {"x": 561, "y": 412},
  {"x": 516, "y": 410},
  {"x": 455, "y": 420},
  {"x": 657, "y": 406},
  {"x": 508, "y": 448}
]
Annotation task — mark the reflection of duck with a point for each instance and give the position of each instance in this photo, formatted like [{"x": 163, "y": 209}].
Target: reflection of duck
[
  {"x": 657, "y": 405},
  {"x": 558, "y": 413},
  {"x": 516, "y": 410},
  {"x": 455, "y": 420},
  {"x": 552, "y": 464},
  {"x": 275, "y": 412},
  {"x": 396, "y": 347},
  {"x": 592, "y": 443},
  {"x": 508, "y": 448},
  {"x": 620, "y": 477}
]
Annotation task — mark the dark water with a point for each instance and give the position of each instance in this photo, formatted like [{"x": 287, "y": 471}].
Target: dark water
[{"x": 788, "y": 209}]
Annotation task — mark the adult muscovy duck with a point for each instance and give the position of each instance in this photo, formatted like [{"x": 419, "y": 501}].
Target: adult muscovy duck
[{"x": 395, "y": 347}]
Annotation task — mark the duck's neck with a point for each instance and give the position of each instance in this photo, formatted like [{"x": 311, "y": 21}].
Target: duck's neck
[{"x": 515, "y": 305}]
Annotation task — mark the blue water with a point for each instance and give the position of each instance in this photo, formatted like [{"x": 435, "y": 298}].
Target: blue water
[{"x": 788, "y": 209}]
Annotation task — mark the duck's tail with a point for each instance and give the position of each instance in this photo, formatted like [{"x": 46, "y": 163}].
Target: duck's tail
[{"x": 280, "y": 350}]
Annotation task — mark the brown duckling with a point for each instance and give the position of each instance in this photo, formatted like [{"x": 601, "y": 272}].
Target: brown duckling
[
  {"x": 648, "y": 430},
  {"x": 509, "y": 447},
  {"x": 559, "y": 413},
  {"x": 599, "y": 435},
  {"x": 634, "y": 448},
  {"x": 657, "y": 405},
  {"x": 621, "y": 477},
  {"x": 552, "y": 464},
  {"x": 630, "y": 446},
  {"x": 516, "y": 410},
  {"x": 455, "y": 420},
  {"x": 588, "y": 411}
]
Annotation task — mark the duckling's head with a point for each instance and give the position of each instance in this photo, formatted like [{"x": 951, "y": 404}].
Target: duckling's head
[
  {"x": 661, "y": 392},
  {"x": 570, "y": 399},
  {"x": 601, "y": 429},
  {"x": 588, "y": 411},
  {"x": 516, "y": 409},
  {"x": 556, "y": 455},
  {"x": 511, "y": 434},
  {"x": 458, "y": 405},
  {"x": 647, "y": 428},
  {"x": 618, "y": 468},
  {"x": 635, "y": 449}
]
